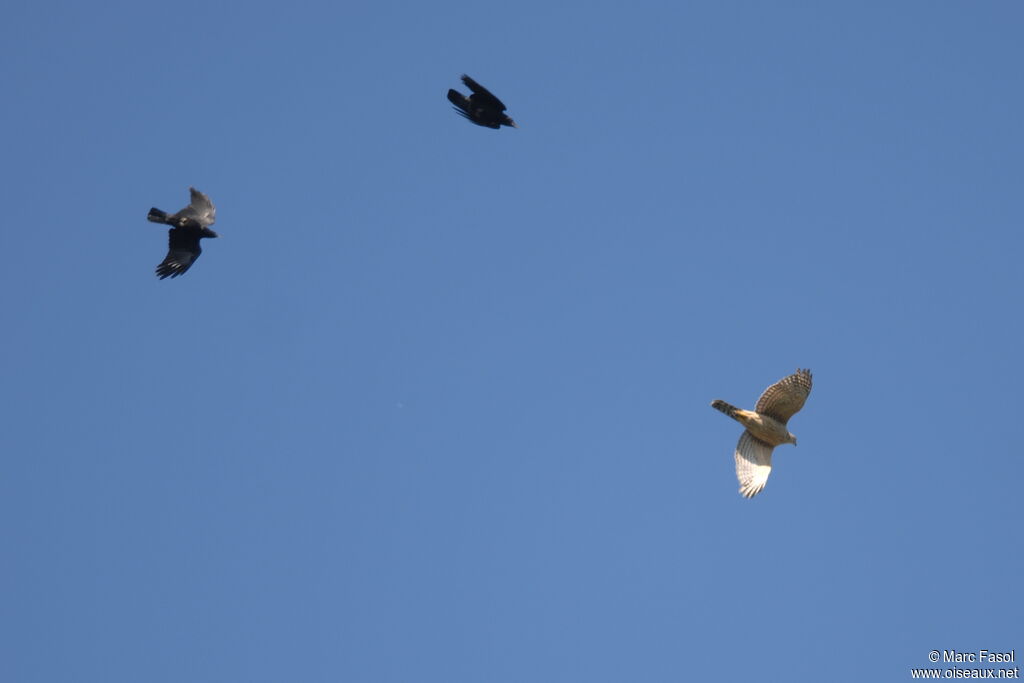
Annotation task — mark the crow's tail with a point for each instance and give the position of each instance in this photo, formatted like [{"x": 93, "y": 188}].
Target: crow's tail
[{"x": 157, "y": 216}]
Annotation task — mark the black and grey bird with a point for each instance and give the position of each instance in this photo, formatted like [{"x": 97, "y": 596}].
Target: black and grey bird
[
  {"x": 482, "y": 108},
  {"x": 188, "y": 226}
]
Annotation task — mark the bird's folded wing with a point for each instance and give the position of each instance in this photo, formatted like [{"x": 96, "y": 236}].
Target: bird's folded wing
[{"x": 753, "y": 464}]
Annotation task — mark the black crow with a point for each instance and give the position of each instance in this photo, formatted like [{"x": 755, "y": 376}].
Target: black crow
[
  {"x": 189, "y": 225},
  {"x": 482, "y": 108}
]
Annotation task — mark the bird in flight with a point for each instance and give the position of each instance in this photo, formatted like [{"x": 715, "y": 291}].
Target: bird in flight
[
  {"x": 188, "y": 226},
  {"x": 765, "y": 428},
  {"x": 482, "y": 108}
]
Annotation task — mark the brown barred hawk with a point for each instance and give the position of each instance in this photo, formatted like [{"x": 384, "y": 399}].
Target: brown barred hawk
[{"x": 766, "y": 428}]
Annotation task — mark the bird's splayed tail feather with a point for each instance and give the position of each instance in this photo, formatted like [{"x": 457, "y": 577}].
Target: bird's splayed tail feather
[
  {"x": 726, "y": 408},
  {"x": 157, "y": 216}
]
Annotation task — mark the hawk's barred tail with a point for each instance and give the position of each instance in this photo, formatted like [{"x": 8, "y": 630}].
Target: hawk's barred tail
[
  {"x": 726, "y": 408},
  {"x": 157, "y": 216}
]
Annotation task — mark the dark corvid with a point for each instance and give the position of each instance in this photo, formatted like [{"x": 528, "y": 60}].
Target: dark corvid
[
  {"x": 188, "y": 226},
  {"x": 482, "y": 108}
]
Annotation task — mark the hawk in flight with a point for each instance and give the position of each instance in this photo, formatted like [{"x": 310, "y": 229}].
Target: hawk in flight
[
  {"x": 482, "y": 108},
  {"x": 766, "y": 428},
  {"x": 188, "y": 226}
]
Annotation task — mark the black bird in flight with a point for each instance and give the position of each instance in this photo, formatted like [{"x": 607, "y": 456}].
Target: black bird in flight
[
  {"x": 188, "y": 226},
  {"x": 482, "y": 108}
]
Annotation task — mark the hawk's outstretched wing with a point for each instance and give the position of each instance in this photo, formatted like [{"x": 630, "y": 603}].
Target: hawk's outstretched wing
[
  {"x": 200, "y": 211},
  {"x": 786, "y": 397},
  {"x": 753, "y": 464}
]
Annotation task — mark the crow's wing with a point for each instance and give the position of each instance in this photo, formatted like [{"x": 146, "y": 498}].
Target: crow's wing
[
  {"x": 183, "y": 250},
  {"x": 459, "y": 100},
  {"x": 482, "y": 93}
]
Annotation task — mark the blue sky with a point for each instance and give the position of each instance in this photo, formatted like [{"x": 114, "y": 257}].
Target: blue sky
[{"x": 435, "y": 407}]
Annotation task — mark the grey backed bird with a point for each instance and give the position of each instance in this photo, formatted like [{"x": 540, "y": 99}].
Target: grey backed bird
[
  {"x": 482, "y": 107},
  {"x": 188, "y": 226},
  {"x": 765, "y": 428}
]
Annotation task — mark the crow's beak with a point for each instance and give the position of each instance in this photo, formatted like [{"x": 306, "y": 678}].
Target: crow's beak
[{"x": 512, "y": 123}]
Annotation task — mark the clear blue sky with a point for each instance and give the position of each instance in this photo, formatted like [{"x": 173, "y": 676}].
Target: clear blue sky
[{"x": 434, "y": 408}]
